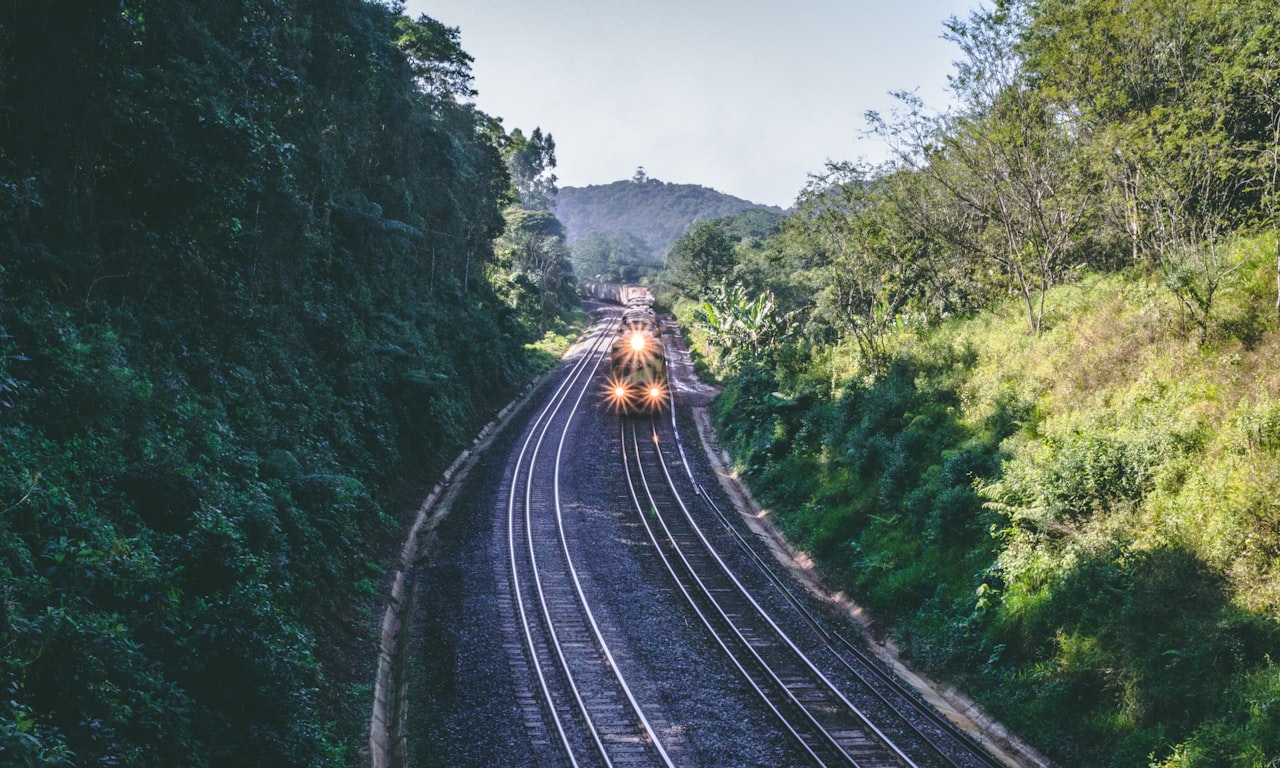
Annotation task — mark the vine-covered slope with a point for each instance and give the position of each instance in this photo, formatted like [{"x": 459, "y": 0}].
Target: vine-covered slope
[{"x": 245, "y": 312}]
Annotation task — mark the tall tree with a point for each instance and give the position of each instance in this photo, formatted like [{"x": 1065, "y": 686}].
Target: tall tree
[
  {"x": 617, "y": 255},
  {"x": 439, "y": 65},
  {"x": 531, "y": 161},
  {"x": 701, "y": 258},
  {"x": 1005, "y": 159},
  {"x": 234, "y": 236},
  {"x": 1177, "y": 101},
  {"x": 533, "y": 251},
  {"x": 880, "y": 263}
]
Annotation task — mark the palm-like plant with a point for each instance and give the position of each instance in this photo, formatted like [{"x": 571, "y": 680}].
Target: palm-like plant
[{"x": 745, "y": 327}]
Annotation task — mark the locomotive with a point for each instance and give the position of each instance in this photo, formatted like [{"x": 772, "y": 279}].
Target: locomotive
[{"x": 637, "y": 361}]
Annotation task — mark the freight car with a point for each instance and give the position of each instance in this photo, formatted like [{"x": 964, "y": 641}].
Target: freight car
[{"x": 625, "y": 294}]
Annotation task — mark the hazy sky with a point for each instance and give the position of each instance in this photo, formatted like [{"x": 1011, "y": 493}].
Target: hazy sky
[{"x": 746, "y": 96}]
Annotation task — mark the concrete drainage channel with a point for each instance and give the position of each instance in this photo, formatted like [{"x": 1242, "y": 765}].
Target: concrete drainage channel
[{"x": 387, "y": 737}]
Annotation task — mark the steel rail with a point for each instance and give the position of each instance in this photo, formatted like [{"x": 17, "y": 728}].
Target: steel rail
[
  {"x": 706, "y": 621},
  {"x": 553, "y": 402},
  {"x": 836, "y": 642},
  {"x": 796, "y": 654},
  {"x": 779, "y": 632},
  {"x": 582, "y": 598}
]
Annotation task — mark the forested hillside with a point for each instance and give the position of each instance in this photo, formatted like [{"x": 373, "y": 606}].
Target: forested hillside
[
  {"x": 1016, "y": 389},
  {"x": 657, "y": 212},
  {"x": 624, "y": 257},
  {"x": 249, "y": 305}
]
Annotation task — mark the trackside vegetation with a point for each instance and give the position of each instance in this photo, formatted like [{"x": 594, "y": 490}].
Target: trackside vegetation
[
  {"x": 250, "y": 306},
  {"x": 1017, "y": 389},
  {"x": 1077, "y": 527}
]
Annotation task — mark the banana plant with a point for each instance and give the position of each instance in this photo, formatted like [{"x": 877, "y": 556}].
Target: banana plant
[{"x": 745, "y": 327}]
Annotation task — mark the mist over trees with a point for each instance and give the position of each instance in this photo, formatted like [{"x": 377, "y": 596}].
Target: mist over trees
[
  {"x": 628, "y": 230},
  {"x": 616, "y": 256}
]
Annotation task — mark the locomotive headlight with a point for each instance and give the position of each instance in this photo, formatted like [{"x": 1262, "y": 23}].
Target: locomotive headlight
[
  {"x": 637, "y": 342},
  {"x": 655, "y": 392},
  {"x": 620, "y": 392}
]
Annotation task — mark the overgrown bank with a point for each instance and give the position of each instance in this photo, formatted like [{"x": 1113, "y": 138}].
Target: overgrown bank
[
  {"x": 250, "y": 306},
  {"x": 1015, "y": 387},
  {"x": 1078, "y": 527}
]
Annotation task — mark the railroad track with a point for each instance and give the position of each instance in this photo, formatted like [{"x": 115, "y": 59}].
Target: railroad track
[
  {"x": 592, "y": 713},
  {"x": 826, "y": 725},
  {"x": 581, "y": 709},
  {"x": 925, "y": 735},
  {"x": 931, "y": 735}
]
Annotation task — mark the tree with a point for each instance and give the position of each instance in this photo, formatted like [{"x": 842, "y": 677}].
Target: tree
[
  {"x": 533, "y": 251},
  {"x": 743, "y": 327},
  {"x": 659, "y": 212},
  {"x": 1260, "y": 73},
  {"x": 1006, "y": 160},
  {"x": 234, "y": 236},
  {"x": 530, "y": 161},
  {"x": 1177, "y": 101},
  {"x": 878, "y": 261},
  {"x": 701, "y": 258},
  {"x": 620, "y": 255},
  {"x": 439, "y": 65}
]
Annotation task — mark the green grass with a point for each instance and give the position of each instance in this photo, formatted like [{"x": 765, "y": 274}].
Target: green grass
[
  {"x": 1079, "y": 524},
  {"x": 545, "y": 353}
]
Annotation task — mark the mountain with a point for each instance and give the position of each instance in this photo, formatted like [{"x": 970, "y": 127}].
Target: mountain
[{"x": 656, "y": 211}]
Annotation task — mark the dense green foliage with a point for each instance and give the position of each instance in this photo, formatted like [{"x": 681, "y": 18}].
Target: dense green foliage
[
  {"x": 247, "y": 310},
  {"x": 1078, "y": 527},
  {"x": 700, "y": 259},
  {"x": 751, "y": 226},
  {"x": 615, "y": 257},
  {"x": 530, "y": 159},
  {"x": 532, "y": 272},
  {"x": 737, "y": 326},
  {"x": 1028, "y": 409},
  {"x": 625, "y": 257},
  {"x": 657, "y": 212},
  {"x": 696, "y": 273}
]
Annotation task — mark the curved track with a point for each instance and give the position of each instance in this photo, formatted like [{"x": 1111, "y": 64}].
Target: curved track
[
  {"x": 641, "y": 624},
  {"x": 827, "y": 725},
  {"x": 937, "y": 738},
  {"x": 901, "y": 730},
  {"x": 594, "y": 714}
]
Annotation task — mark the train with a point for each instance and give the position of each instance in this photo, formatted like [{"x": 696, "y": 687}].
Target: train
[
  {"x": 616, "y": 293},
  {"x": 637, "y": 382}
]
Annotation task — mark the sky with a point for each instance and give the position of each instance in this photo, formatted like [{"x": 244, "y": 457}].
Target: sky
[{"x": 748, "y": 97}]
